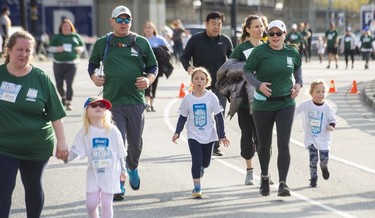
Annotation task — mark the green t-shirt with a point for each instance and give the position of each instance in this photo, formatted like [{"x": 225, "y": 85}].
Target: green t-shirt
[
  {"x": 348, "y": 42},
  {"x": 122, "y": 65},
  {"x": 276, "y": 67},
  {"x": 366, "y": 42},
  {"x": 242, "y": 52},
  {"x": 69, "y": 42},
  {"x": 331, "y": 36},
  {"x": 294, "y": 38},
  {"x": 28, "y": 104}
]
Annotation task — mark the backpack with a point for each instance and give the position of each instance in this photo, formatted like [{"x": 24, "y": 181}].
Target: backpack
[{"x": 131, "y": 43}]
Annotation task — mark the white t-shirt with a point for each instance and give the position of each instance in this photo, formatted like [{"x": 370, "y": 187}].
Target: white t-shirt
[
  {"x": 200, "y": 112},
  {"x": 315, "y": 121},
  {"x": 103, "y": 151}
]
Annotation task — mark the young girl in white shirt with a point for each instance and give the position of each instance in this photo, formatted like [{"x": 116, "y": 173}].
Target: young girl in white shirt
[
  {"x": 199, "y": 109},
  {"x": 318, "y": 120},
  {"x": 101, "y": 142}
]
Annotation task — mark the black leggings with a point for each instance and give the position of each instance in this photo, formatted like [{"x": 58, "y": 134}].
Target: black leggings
[
  {"x": 31, "y": 176},
  {"x": 264, "y": 121},
  {"x": 348, "y": 53},
  {"x": 248, "y": 133},
  {"x": 151, "y": 91},
  {"x": 200, "y": 156},
  {"x": 64, "y": 72}
]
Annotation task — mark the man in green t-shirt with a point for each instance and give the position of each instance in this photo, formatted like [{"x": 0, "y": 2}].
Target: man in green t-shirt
[
  {"x": 130, "y": 67},
  {"x": 331, "y": 39}
]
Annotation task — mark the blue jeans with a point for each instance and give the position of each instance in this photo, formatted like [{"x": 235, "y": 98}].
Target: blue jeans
[{"x": 31, "y": 176}]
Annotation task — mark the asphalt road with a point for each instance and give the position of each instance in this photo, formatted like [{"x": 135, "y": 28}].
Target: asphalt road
[{"x": 164, "y": 169}]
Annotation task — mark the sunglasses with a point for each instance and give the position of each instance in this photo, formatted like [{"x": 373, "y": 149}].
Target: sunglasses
[
  {"x": 99, "y": 104},
  {"x": 272, "y": 34},
  {"x": 120, "y": 20}
]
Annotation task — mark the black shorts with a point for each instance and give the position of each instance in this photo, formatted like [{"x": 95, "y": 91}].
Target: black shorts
[{"x": 331, "y": 50}]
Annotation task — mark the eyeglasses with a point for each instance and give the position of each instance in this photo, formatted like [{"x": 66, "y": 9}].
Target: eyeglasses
[
  {"x": 120, "y": 20},
  {"x": 272, "y": 34},
  {"x": 99, "y": 104}
]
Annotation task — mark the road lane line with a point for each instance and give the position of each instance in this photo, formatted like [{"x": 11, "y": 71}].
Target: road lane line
[
  {"x": 367, "y": 169},
  {"x": 167, "y": 121}
]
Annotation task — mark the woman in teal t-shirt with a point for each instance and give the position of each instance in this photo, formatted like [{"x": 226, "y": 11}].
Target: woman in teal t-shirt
[{"x": 273, "y": 64}]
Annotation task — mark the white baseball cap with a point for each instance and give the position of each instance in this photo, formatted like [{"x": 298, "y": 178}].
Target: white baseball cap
[
  {"x": 121, "y": 10},
  {"x": 277, "y": 23}
]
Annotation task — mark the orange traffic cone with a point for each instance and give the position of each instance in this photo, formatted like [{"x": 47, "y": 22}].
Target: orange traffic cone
[
  {"x": 332, "y": 87},
  {"x": 182, "y": 91},
  {"x": 354, "y": 89}
]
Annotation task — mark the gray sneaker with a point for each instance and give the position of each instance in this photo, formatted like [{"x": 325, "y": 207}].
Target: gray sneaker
[{"x": 249, "y": 180}]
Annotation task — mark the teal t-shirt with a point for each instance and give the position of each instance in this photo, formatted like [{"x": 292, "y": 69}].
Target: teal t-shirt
[
  {"x": 276, "y": 67},
  {"x": 122, "y": 65},
  {"x": 69, "y": 42},
  {"x": 28, "y": 104}
]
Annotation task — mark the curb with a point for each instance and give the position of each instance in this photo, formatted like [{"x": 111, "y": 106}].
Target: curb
[{"x": 369, "y": 93}]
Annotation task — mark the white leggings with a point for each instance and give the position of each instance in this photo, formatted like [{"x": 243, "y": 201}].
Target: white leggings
[{"x": 93, "y": 200}]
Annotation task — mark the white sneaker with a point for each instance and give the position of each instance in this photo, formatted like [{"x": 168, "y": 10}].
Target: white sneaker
[{"x": 249, "y": 180}]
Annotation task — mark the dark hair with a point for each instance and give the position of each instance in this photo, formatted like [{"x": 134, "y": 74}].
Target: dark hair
[
  {"x": 4, "y": 9},
  {"x": 70, "y": 24},
  {"x": 13, "y": 40},
  {"x": 246, "y": 24},
  {"x": 215, "y": 15}
]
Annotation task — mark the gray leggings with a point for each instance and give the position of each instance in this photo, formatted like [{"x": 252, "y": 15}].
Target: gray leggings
[{"x": 264, "y": 121}]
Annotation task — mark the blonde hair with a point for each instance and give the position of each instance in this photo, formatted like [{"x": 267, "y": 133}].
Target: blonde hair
[
  {"x": 155, "y": 32},
  {"x": 107, "y": 120},
  {"x": 315, "y": 83},
  {"x": 203, "y": 70},
  {"x": 13, "y": 40}
]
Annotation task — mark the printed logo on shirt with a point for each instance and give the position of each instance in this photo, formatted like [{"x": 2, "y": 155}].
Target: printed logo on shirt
[
  {"x": 101, "y": 154},
  {"x": 9, "y": 91},
  {"x": 247, "y": 52},
  {"x": 289, "y": 62},
  {"x": 200, "y": 115},
  {"x": 315, "y": 118},
  {"x": 133, "y": 52},
  {"x": 31, "y": 94}
]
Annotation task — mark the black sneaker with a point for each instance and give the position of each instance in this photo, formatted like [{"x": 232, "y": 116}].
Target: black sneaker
[
  {"x": 118, "y": 197},
  {"x": 283, "y": 190},
  {"x": 325, "y": 173},
  {"x": 313, "y": 182},
  {"x": 264, "y": 186},
  {"x": 217, "y": 152}
]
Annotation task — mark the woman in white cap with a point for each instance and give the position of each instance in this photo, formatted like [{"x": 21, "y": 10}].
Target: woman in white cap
[{"x": 274, "y": 64}]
